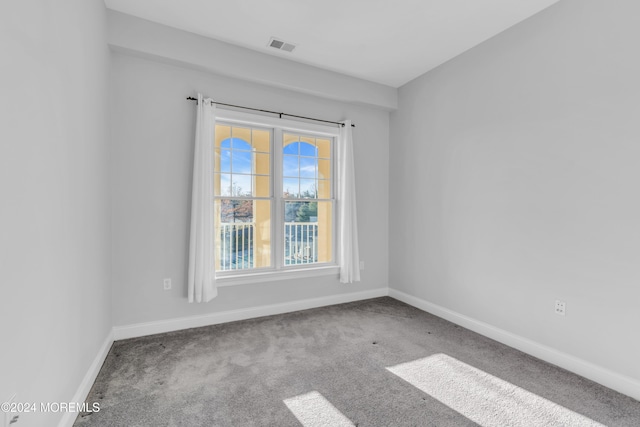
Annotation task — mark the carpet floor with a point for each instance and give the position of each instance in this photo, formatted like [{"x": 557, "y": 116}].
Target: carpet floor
[{"x": 378, "y": 362}]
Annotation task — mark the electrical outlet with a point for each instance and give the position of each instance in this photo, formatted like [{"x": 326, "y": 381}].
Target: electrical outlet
[
  {"x": 167, "y": 284},
  {"x": 361, "y": 265},
  {"x": 561, "y": 308}
]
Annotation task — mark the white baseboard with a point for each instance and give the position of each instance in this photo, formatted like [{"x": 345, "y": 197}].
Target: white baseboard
[
  {"x": 87, "y": 382},
  {"x": 606, "y": 377},
  {"x": 150, "y": 328}
]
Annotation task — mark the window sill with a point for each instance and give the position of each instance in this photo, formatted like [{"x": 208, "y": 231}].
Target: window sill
[{"x": 271, "y": 276}]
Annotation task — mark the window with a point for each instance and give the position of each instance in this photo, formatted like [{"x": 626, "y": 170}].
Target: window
[
  {"x": 273, "y": 196},
  {"x": 242, "y": 189},
  {"x": 308, "y": 207}
]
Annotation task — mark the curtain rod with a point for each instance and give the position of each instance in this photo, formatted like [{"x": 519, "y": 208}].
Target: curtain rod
[{"x": 191, "y": 98}]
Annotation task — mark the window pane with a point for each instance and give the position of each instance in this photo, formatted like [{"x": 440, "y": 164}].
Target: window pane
[
  {"x": 235, "y": 210},
  {"x": 307, "y": 232},
  {"x": 241, "y": 161},
  {"x": 224, "y": 165},
  {"x": 240, "y": 144},
  {"x": 241, "y": 185},
  {"x": 308, "y": 167},
  {"x": 324, "y": 169},
  {"x": 325, "y": 231},
  {"x": 324, "y": 189},
  {"x": 262, "y": 186},
  {"x": 223, "y": 133},
  {"x": 291, "y": 187},
  {"x": 307, "y": 140},
  {"x": 324, "y": 148},
  {"x": 261, "y": 140},
  {"x": 243, "y": 134},
  {"x": 222, "y": 184},
  {"x": 243, "y": 234},
  {"x": 307, "y": 149},
  {"x": 262, "y": 247},
  {"x": 290, "y": 148},
  {"x": 290, "y": 166},
  {"x": 308, "y": 189},
  {"x": 262, "y": 164}
]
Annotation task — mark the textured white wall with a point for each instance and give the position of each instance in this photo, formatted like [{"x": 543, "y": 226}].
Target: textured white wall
[
  {"x": 514, "y": 178},
  {"x": 54, "y": 228},
  {"x": 151, "y": 156}
]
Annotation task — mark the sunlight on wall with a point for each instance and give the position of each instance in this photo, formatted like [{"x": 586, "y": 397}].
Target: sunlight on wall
[
  {"x": 313, "y": 410},
  {"x": 483, "y": 398}
]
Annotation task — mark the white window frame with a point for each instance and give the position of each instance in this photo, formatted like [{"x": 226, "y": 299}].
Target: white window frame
[{"x": 278, "y": 270}]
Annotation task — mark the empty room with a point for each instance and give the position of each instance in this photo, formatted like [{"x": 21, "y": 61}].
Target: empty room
[{"x": 336, "y": 213}]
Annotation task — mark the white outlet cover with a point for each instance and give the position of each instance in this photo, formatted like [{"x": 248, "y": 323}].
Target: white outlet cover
[{"x": 167, "y": 284}]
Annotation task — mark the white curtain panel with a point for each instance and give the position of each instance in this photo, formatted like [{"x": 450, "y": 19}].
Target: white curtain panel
[
  {"x": 348, "y": 253},
  {"x": 201, "y": 285}
]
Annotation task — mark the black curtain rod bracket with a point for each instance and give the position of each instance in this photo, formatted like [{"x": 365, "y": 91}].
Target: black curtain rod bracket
[{"x": 191, "y": 98}]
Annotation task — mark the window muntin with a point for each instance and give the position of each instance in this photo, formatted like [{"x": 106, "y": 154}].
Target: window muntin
[{"x": 258, "y": 229}]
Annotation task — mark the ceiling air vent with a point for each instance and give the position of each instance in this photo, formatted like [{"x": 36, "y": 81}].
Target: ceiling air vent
[{"x": 281, "y": 45}]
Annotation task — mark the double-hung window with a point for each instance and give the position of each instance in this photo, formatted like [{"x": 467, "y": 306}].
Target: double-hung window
[{"x": 274, "y": 198}]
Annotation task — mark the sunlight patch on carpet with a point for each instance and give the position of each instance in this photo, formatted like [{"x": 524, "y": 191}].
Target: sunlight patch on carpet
[
  {"x": 483, "y": 398},
  {"x": 313, "y": 410}
]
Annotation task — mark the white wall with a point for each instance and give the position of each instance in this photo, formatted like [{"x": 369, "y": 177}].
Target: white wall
[
  {"x": 151, "y": 164},
  {"x": 514, "y": 178},
  {"x": 54, "y": 228},
  {"x": 135, "y": 35}
]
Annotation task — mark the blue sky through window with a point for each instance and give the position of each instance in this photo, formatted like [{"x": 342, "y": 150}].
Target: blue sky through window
[
  {"x": 235, "y": 154},
  {"x": 236, "y": 165},
  {"x": 299, "y": 169},
  {"x": 300, "y": 148},
  {"x": 236, "y": 161},
  {"x": 291, "y": 148},
  {"x": 290, "y": 165},
  {"x": 241, "y": 162},
  {"x": 308, "y": 167},
  {"x": 307, "y": 149}
]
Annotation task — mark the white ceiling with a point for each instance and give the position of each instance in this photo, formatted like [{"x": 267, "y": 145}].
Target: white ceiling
[{"x": 384, "y": 41}]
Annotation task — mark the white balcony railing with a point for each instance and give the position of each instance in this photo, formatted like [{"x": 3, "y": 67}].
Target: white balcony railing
[
  {"x": 300, "y": 243},
  {"x": 237, "y": 244}
]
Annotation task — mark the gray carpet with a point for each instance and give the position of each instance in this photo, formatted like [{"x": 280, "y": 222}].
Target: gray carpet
[{"x": 378, "y": 362}]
